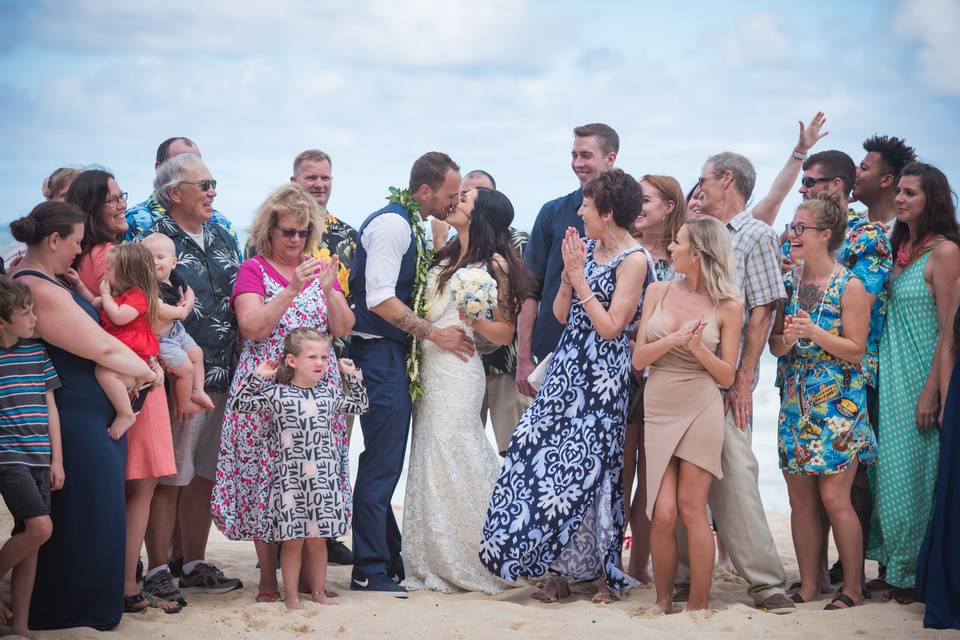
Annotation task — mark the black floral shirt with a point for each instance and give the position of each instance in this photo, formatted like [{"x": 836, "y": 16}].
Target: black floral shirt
[
  {"x": 210, "y": 272},
  {"x": 504, "y": 359}
]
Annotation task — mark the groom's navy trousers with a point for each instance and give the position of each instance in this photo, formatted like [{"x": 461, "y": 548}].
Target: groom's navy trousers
[{"x": 385, "y": 425}]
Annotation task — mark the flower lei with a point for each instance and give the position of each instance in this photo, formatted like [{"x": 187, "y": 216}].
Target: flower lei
[{"x": 404, "y": 198}]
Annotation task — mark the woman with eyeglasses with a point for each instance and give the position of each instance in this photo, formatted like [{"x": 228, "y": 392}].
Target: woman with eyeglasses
[
  {"x": 149, "y": 440},
  {"x": 926, "y": 249},
  {"x": 824, "y": 433},
  {"x": 277, "y": 290}
]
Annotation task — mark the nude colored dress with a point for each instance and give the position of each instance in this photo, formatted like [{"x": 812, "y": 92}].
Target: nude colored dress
[{"x": 683, "y": 408}]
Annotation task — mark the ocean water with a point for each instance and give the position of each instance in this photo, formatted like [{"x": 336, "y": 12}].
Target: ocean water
[{"x": 766, "y": 401}]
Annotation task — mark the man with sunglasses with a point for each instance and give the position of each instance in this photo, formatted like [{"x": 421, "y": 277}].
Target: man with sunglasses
[
  {"x": 866, "y": 252},
  {"x": 143, "y": 216}
]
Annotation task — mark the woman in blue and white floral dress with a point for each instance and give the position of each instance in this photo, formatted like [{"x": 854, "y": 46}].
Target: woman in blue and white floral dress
[{"x": 558, "y": 503}]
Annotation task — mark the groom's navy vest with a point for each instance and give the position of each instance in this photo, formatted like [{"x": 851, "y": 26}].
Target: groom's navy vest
[{"x": 368, "y": 321}]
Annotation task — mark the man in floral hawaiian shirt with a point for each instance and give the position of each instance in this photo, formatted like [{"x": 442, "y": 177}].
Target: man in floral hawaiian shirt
[
  {"x": 141, "y": 217},
  {"x": 207, "y": 261}
]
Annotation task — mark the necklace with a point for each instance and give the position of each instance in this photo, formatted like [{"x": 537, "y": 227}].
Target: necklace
[
  {"x": 807, "y": 342},
  {"x": 905, "y": 256}
]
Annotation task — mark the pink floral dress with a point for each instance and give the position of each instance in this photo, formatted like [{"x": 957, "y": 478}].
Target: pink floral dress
[{"x": 248, "y": 445}]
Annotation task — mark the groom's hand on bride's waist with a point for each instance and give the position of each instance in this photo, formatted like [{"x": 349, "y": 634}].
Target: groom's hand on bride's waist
[{"x": 453, "y": 339}]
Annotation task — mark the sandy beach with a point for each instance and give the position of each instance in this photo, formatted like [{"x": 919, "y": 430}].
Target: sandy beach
[{"x": 509, "y": 615}]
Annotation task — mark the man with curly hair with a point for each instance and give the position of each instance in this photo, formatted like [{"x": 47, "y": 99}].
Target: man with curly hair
[{"x": 877, "y": 176}]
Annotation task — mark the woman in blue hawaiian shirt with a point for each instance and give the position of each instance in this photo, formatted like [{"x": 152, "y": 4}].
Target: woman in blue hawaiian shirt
[{"x": 824, "y": 432}]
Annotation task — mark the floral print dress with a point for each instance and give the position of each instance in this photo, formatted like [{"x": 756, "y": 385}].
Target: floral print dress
[
  {"x": 558, "y": 503},
  {"x": 823, "y": 423},
  {"x": 248, "y": 445}
]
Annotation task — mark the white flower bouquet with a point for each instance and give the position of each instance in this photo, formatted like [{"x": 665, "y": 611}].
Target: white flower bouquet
[{"x": 475, "y": 292}]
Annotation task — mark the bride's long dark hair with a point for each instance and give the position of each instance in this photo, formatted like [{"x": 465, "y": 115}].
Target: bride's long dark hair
[{"x": 489, "y": 235}]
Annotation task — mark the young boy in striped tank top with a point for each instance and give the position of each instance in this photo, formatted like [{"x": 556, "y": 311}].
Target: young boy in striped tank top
[{"x": 31, "y": 459}]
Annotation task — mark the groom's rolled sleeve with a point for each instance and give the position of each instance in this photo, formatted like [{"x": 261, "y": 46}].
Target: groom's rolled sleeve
[{"x": 385, "y": 240}]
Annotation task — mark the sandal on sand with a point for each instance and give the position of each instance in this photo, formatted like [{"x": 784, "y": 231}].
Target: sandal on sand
[
  {"x": 605, "y": 597},
  {"x": 542, "y": 595},
  {"x": 329, "y": 593},
  {"x": 843, "y": 598},
  {"x": 904, "y": 595},
  {"x": 134, "y": 603},
  {"x": 268, "y": 596}
]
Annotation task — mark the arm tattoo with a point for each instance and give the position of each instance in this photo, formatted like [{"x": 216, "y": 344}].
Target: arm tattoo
[
  {"x": 411, "y": 323},
  {"x": 808, "y": 295}
]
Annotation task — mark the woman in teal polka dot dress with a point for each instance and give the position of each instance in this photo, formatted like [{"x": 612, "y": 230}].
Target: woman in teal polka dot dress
[{"x": 925, "y": 243}]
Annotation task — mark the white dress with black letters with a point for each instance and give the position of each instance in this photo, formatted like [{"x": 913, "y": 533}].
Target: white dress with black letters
[{"x": 306, "y": 499}]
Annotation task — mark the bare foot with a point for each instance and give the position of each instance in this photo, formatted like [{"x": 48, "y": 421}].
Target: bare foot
[
  {"x": 604, "y": 595},
  {"x": 120, "y": 425},
  {"x": 661, "y": 609},
  {"x": 200, "y": 397},
  {"x": 293, "y": 603},
  {"x": 321, "y": 597}
]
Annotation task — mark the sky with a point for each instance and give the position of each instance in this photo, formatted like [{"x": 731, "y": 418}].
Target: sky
[{"x": 498, "y": 85}]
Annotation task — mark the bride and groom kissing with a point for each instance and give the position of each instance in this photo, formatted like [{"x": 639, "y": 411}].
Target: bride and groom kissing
[{"x": 400, "y": 291}]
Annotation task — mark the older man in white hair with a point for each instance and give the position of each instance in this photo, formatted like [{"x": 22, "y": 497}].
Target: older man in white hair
[{"x": 207, "y": 261}]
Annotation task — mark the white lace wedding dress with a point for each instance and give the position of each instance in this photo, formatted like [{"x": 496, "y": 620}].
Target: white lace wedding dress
[{"x": 452, "y": 470}]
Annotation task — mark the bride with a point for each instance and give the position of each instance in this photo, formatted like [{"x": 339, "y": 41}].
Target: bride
[{"x": 453, "y": 466}]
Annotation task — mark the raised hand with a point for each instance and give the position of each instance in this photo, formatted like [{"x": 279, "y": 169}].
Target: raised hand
[
  {"x": 439, "y": 230},
  {"x": 810, "y": 134},
  {"x": 267, "y": 368},
  {"x": 104, "y": 288},
  {"x": 72, "y": 277},
  {"x": 348, "y": 368}
]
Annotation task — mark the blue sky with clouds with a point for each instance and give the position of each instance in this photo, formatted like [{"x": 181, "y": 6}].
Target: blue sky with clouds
[{"x": 497, "y": 84}]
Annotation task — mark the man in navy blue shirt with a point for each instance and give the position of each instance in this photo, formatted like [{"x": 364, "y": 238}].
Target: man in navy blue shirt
[{"x": 595, "y": 148}]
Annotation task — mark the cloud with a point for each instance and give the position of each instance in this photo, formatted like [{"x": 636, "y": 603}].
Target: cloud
[
  {"x": 419, "y": 33},
  {"x": 758, "y": 39},
  {"x": 935, "y": 26}
]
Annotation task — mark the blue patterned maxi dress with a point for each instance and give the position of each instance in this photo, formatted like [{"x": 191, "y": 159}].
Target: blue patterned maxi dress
[{"x": 558, "y": 503}]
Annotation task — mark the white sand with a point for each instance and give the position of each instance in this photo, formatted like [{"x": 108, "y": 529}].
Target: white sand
[{"x": 510, "y": 615}]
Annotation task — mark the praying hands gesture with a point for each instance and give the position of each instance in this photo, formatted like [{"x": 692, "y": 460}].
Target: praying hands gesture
[{"x": 574, "y": 254}]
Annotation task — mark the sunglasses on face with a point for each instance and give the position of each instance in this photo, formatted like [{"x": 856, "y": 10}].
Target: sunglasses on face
[
  {"x": 798, "y": 229},
  {"x": 809, "y": 181},
  {"x": 288, "y": 233},
  {"x": 205, "y": 185}
]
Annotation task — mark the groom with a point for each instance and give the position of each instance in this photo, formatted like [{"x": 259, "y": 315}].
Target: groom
[{"x": 383, "y": 276}]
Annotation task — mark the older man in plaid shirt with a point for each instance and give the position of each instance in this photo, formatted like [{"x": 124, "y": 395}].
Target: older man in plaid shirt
[{"x": 727, "y": 180}]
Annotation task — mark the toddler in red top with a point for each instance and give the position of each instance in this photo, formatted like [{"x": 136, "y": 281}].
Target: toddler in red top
[{"x": 128, "y": 302}]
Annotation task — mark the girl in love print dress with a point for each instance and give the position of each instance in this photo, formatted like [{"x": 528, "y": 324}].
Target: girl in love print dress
[{"x": 306, "y": 499}]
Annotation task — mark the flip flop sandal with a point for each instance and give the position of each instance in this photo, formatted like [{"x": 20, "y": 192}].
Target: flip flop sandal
[
  {"x": 796, "y": 598},
  {"x": 845, "y": 599}
]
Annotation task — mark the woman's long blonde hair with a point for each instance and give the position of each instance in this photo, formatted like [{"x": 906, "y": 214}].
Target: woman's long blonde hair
[
  {"x": 291, "y": 199},
  {"x": 133, "y": 268},
  {"x": 710, "y": 239},
  {"x": 293, "y": 344}
]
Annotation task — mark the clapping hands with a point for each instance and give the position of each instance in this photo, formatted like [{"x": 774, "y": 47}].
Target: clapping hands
[
  {"x": 689, "y": 334},
  {"x": 799, "y": 326}
]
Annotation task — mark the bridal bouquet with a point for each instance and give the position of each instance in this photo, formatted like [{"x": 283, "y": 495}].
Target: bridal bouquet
[{"x": 475, "y": 292}]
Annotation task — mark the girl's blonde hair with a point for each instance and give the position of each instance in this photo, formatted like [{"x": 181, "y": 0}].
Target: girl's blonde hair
[
  {"x": 133, "y": 268},
  {"x": 293, "y": 344},
  {"x": 710, "y": 239},
  {"x": 295, "y": 201},
  {"x": 829, "y": 211}
]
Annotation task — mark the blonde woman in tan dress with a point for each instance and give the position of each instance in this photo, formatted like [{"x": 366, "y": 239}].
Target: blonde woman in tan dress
[{"x": 689, "y": 336}]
